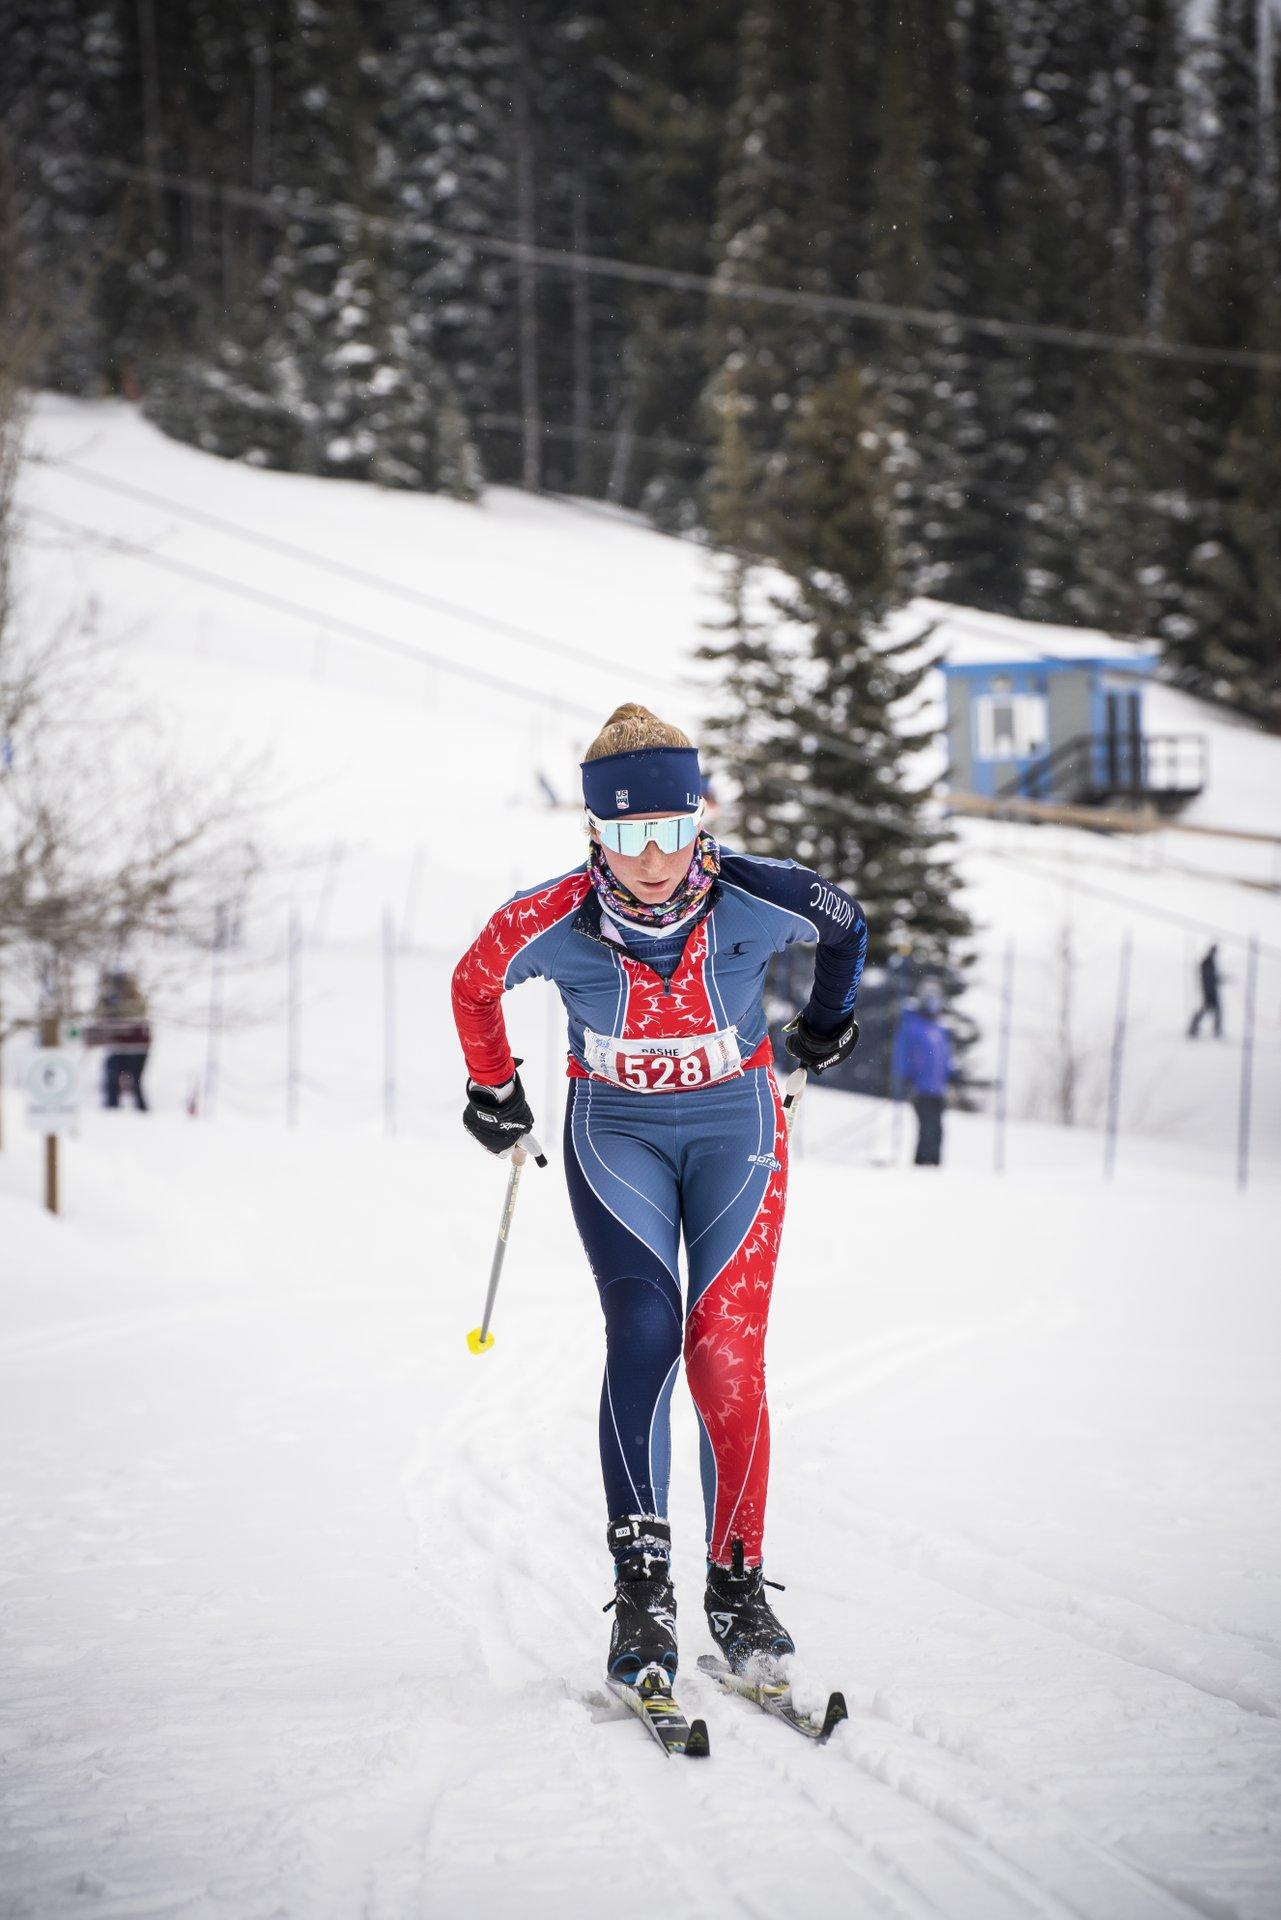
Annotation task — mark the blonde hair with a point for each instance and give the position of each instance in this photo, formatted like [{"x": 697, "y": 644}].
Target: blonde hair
[{"x": 631, "y": 727}]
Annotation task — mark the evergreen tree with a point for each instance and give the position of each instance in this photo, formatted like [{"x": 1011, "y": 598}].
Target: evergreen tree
[
  {"x": 764, "y": 227},
  {"x": 443, "y": 161},
  {"x": 749, "y": 730},
  {"x": 1233, "y": 600},
  {"x": 673, "y": 73},
  {"x": 315, "y": 366},
  {"x": 1097, "y": 545},
  {"x": 59, "y": 79},
  {"x": 821, "y": 743}
]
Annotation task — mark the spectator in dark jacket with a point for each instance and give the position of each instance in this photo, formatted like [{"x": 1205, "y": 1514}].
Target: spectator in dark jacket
[
  {"x": 120, "y": 1024},
  {"x": 1211, "y": 979},
  {"x": 922, "y": 1067}
]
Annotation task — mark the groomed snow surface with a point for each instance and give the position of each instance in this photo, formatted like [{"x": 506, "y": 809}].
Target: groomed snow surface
[{"x": 300, "y": 1601}]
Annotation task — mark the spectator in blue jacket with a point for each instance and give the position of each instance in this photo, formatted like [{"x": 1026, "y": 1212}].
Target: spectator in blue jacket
[{"x": 922, "y": 1068}]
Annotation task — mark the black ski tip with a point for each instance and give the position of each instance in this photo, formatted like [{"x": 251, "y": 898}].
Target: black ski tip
[
  {"x": 698, "y": 1746},
  {"x": 836, "y": 1712}
]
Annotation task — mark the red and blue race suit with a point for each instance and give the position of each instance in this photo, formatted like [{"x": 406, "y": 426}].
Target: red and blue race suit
[{"x": 673, "y": 1125}]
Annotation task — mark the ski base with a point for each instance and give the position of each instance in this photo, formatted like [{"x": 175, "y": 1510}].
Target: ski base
[
  {"x": 773, "y": 1695},
  {"x": 654, "y": 1704}
]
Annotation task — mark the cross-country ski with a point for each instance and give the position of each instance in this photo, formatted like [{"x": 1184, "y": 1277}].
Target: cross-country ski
[
  {"x": 652, "y": 1701},
  {"x": 772, "y": 1693}
]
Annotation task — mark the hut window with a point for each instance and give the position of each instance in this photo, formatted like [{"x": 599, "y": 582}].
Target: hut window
[{"x": 1010, "y": 726}]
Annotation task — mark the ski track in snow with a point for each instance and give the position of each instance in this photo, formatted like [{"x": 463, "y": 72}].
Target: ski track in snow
[
  {"x": 906, "y": 1813},
  {"x": 302, "y": 1600}
]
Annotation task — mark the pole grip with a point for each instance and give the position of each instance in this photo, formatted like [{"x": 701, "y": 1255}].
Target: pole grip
[
  {"x": 793, "y": 1087},
  {"x": 528, "y": 1146}
]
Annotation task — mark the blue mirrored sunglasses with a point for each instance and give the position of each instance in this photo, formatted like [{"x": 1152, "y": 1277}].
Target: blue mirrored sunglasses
[{"x": 631, "y": 837}]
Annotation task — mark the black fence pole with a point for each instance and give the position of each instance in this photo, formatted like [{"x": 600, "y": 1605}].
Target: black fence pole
[
  {"x": 1118, "y": 1053},
  {"x": 1247, "y": 1065},
  {"x": 213, "y": 1042}
]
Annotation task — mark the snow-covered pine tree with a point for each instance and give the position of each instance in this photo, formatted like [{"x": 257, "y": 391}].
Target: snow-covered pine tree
[
  {"x": 748, "y": 727},
  {"x": 1097, "y": 548},
  {"x": 1233, "y": 597},
  {"x": 444, "y": 160},
  {"x": 312, "y": 365},
  {"x": 1100, "y": 88},
  {"x": 581, "y": 322},
  {"x": 925, "y": 246},
  {"x": 673, "y": 74},
  {"x": 59, "y": 82},
  {"x": 818, "y": 725},
  {"x": 1219, "y": 289},
  {"x": 765, "y": 223}
]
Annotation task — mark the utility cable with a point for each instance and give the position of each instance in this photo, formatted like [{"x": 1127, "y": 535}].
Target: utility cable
[
  {"x": 235, "y": 529},
  {"x": 296, "y": 610},
  {"x": 715, "y": 286},
  {"x": 1128, "y": 901},
  {"x": 362, "y": 576}
]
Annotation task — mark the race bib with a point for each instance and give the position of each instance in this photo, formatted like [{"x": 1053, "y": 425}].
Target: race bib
[{"x": 664, "y": 1066}]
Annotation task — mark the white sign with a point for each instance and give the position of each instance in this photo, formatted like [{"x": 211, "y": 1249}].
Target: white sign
[{"x": 53, "y": 1088}]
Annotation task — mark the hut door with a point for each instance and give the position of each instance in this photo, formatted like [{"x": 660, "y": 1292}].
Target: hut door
[{"x": 1124, "y": 743}]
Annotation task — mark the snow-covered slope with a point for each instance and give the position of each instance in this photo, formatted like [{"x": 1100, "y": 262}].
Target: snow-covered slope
[
  {"x": 299, "y": 620},
  {"x": 300, "y": 1600}
]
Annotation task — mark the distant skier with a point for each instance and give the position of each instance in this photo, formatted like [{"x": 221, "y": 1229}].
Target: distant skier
[
  {"x": 1211, "y": 980},
  {"x": 658, "y": 943},
  {"x": 922, "y": 1065},
  {"x": 121, "y": 1025}
]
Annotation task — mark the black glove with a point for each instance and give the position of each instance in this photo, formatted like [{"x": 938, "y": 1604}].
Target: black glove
[
  {"x": 498, "y": 1122},
  {"x": 819, "y": 1051}
]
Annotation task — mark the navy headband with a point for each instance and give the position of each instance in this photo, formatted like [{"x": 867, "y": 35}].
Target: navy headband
[{"x": 651, "y": 780}]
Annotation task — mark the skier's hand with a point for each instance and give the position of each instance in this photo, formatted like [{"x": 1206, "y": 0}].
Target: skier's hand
[
  {"x": 497, "y": 1116},
  {"x": 819, "y": 1051}
]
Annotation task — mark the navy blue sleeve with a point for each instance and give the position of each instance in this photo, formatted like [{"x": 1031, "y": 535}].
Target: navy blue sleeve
[{"x": 807, "y": 907}]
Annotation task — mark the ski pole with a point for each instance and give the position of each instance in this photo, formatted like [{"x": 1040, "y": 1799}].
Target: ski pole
[
  {"x": 793, "y": 1087},
  {"x": 480, "y": 1339}
]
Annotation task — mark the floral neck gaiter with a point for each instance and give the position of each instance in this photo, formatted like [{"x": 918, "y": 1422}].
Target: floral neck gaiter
[{"x": 688, "y": 897}]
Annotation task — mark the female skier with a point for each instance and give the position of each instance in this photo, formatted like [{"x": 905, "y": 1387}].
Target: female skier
[{"x": 658, "y": 944}]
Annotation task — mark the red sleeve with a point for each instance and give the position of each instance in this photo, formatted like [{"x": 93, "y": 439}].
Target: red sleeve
[{"x": 489, "y": 967}]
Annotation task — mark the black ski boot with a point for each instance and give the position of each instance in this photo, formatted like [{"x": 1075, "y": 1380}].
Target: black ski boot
[
  {"x": 644, "y": 1630},
  {"x": 740, "y": 1618}
]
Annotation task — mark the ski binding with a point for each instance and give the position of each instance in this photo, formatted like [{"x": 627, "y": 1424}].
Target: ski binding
[
  {"x": 652, "y": 1701},
  {"x": 767, "y": 1689}
]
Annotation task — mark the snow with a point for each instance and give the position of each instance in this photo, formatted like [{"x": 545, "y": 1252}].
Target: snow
[
  {"x": 301, "y": 1600},
  {"x": 976, "y": 639}
]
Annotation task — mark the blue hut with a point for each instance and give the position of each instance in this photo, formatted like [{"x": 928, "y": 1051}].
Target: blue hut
[{"x": 1069, "y": 731}]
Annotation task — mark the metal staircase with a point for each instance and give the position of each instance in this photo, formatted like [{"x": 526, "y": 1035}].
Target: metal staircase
[{"x": 1161, "y": 770}]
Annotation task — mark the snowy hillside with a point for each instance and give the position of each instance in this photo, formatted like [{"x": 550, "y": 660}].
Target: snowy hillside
[
  {"x": 413, "y": 666},
  {"x": 300, "y": 1600}
]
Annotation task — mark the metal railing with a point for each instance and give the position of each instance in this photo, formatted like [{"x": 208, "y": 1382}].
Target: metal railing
[{"x": 1164, "y": 767}]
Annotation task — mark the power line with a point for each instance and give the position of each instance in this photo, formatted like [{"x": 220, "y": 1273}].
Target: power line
[
  {"x": 842, "y": 748},
  {"x": 278, "y": 603},
  {"x": 746, "y": 292},
  {"x": 296, "y": 610},
  {"x": 608, "y": 436},
  {"x": 395, "y": 589},
  {"x": 1128, "y": 901},
  {"x": 308, "y": 556}
]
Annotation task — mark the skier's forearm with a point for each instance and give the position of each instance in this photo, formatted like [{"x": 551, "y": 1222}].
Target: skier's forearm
[
  {"x": 837, "y": 972},
  {"x": 478, "y": 1016}
]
